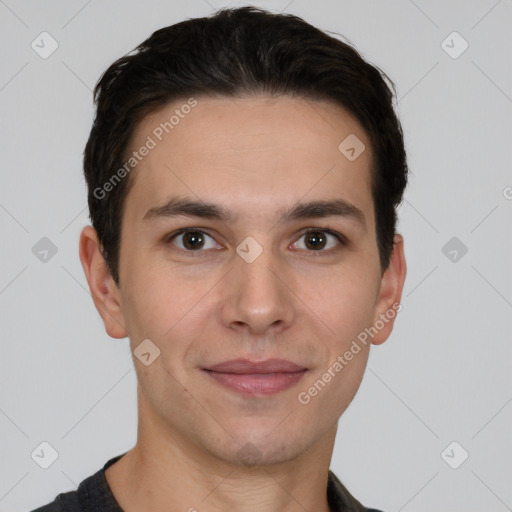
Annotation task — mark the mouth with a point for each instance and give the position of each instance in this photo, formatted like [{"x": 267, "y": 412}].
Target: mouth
[{"x": 256, "y": 378}]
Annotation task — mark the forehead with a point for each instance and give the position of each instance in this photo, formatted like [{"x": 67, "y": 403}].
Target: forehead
[{"x": 255, "y": 152}]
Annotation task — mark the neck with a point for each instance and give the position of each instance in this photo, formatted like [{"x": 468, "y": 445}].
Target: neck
[{"x": 167, "y": 471}]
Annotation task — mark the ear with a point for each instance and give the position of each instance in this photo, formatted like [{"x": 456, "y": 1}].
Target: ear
[
  {"x": 388, "y": 302},
  {"x": 104, "y": 291}
]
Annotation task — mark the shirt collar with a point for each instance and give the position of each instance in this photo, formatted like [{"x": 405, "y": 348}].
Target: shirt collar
[{"x": 97, "y": 495}]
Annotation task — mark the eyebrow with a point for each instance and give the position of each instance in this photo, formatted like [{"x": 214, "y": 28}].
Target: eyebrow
[{"x": 313, "y": 209}]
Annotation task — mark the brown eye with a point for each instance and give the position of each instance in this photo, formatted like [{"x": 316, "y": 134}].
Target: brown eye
[
  {"x": 193, "y": 240},
  {"x": 315, "y": 240},
  {"x": 320, "y": 240}
]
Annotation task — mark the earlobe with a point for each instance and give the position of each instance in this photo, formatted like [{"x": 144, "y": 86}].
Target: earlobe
[
  {"x": 388, "y": 303},
  {"x": 101, "y": 285}
]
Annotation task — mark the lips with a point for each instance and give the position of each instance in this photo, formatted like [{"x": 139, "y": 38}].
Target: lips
[
  {"x": 256, "y": 378},
  {"x": 244, "y": 366}
]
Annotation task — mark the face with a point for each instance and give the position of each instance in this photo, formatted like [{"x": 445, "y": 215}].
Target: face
[{"x": 248, "y": 235}]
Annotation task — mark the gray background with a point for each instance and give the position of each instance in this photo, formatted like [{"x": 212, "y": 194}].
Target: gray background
[{"x": 445, "y": 373}]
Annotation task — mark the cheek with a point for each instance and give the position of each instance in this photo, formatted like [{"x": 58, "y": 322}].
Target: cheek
[
  {"x": 344, "y": 301},
  {"x": 348, "y": 305},
  {"x": 165, "y": 306}
]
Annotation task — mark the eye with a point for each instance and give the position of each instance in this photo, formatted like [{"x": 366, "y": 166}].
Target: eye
[
  {"x": 319, "y": 240},
  {"x": 193, "y": 240}
]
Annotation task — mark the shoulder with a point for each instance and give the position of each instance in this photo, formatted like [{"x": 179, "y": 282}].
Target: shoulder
[
  {"x": 340, "y": 499},
  {"x": 93, "y": 493},
  {"x": 64, "y": 502}
]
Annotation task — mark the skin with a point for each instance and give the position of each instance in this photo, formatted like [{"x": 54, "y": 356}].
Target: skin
[{"x": 253, "y": 156}]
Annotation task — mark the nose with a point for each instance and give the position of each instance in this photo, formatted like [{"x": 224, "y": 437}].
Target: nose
[{"x": 257, "y": 297}]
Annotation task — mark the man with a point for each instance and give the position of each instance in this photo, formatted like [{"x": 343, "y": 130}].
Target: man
[{"x": 244, "y": 172}]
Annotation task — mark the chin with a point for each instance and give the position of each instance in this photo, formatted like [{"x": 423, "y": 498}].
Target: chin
[{"x": 264, "y": 447}]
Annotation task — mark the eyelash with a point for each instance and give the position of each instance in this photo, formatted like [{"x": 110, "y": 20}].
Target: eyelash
[{"x": 344, "y": 242}]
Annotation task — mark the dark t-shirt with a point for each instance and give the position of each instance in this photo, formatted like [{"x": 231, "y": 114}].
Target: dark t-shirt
[{"x": 94, "y": 495}]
